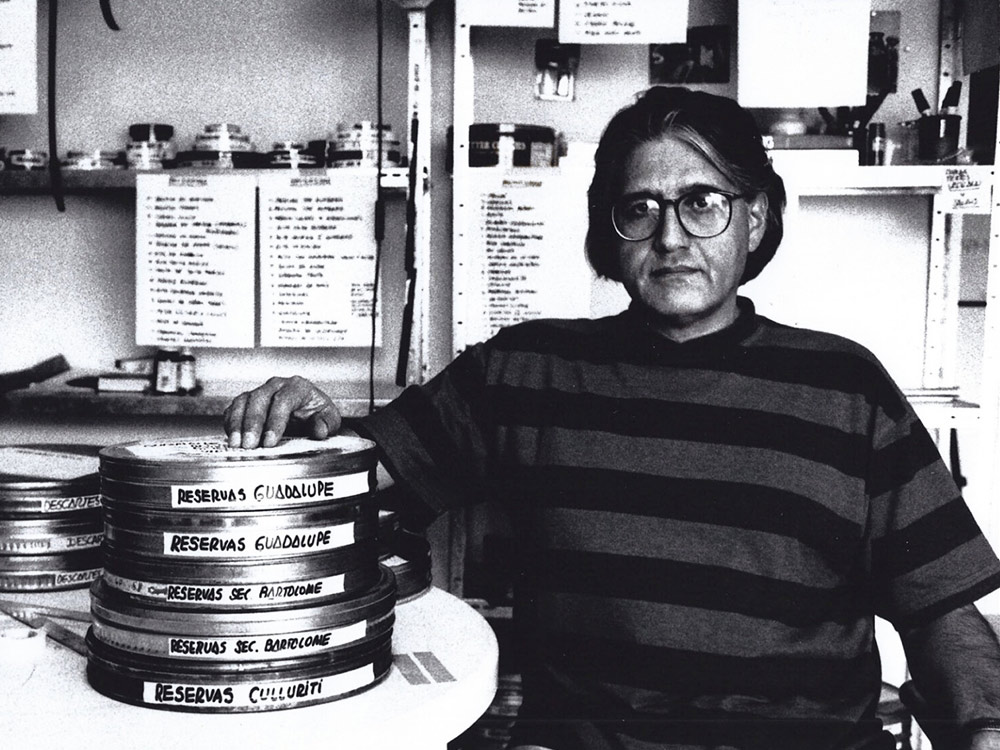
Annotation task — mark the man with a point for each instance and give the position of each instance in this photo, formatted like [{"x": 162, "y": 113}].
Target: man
[{"x": 710, "y": 507}]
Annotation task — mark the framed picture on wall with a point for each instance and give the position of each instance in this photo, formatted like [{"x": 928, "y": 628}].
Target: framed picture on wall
[{"x": 704, "y": 58}]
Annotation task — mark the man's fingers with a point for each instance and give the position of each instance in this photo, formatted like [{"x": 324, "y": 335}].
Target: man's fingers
[
  {"x": 284, "y": 402},
  {"x": 261, "y": 416},
  {"x": 258, "y": 406},
  {"x": 324, "y": 423},
  {"x": 232, "y": 420}
]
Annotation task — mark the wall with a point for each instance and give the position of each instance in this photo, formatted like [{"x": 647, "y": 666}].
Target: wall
[
  {"x": 609, "y": 75},
  {"x": 855, "y": 266},
  {"x": 281, "y": 70},
  {"x": 293, "y": 69},
  {"x": 885, "y": 283}
]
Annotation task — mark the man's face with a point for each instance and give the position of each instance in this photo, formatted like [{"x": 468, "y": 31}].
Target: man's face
[{"x": 689, "y": 283}]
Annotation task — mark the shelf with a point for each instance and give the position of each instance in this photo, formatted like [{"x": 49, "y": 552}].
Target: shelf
[
  {"x": 77, "y": 182},
  {"x": 59, "y": 397},
  {"x": 946, "y": 414},
  {"x": 806, "y": 179}
]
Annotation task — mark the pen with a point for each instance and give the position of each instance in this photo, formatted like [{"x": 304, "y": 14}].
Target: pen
[
  {"x": 923, "y": 106},
  {"x": 949, "y": 106}
]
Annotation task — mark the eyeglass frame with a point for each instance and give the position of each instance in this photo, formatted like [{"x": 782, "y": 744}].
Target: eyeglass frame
[{"x": 662, "y": 203}]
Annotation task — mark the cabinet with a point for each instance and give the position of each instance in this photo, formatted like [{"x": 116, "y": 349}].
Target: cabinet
[{"x": 907, "y": 214}]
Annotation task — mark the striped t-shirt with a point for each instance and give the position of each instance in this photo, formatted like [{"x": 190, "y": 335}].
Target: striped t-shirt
[{"x": 704, "y": 530}]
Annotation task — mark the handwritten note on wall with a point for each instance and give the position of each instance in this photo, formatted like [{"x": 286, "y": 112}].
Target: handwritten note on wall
[
  {"x": 528, "y": 13},
  {"x": 529, "y": 233},
  {"x": 820, "y": 60},
  {"x": 623, "y": 21},
  {"x": 195, "y": 237},
  {"x": 18, "y": 53},
  {"x": 317, "y": 267},
  {"x": 966, "y": 191}
]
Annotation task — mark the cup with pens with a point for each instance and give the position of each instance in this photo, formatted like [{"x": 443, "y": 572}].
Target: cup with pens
[{"x": 938, "y": 134}]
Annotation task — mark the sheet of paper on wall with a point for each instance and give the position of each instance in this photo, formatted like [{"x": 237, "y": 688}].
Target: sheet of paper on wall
[
  {"x": 623, "y": 21},
  {"x": 195, "y": 260},
  {"x": 528, "y": 13},
  {"x": 803, "y": 54},
  {"x": 966, "y": 191},
  {"x": 981, "y": 18},
  {"x": 18, "y": 57},
  {"x": 528, "y": 232},
  {"x": 317, "y": 259}
]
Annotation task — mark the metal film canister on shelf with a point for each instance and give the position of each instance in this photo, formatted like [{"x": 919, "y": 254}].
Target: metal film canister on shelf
[
  {"x": 91, "y": 160},
  {"x": 245, "y": 688},
  {"x": 238, "y": 536},
  {"x": 50, "y": 517},
  {"x": 150, "y": 132},
  {"x": 408, "y": 556},
  {"x": 239, "y": 636},
  {"x": 49, "y": 536},
  {"x": 27, "y": 159},
  {"x": 261, "y": 585},
  {"x": 72, "y": 570},
  {"x": 204, "y": 474},
  {"x": 46, "y": 480}
]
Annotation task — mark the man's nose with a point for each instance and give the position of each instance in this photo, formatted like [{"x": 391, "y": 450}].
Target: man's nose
[{"x": 670, "y": 234}]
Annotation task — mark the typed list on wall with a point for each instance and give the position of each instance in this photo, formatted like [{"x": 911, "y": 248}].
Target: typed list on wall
[
  {"x": 623, "y": 21},
  {"x": 317, "y": 259},
  {"x": 530, "y": 239},
  {"x": 195, "y": 260},
  {"x": 18, "y": 57}
]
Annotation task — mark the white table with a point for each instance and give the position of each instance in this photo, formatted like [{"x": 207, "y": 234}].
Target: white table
[{"x": 46, "y": 702}]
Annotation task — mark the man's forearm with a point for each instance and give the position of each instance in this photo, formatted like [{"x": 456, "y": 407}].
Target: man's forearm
[{"x": 955, "y": 664}]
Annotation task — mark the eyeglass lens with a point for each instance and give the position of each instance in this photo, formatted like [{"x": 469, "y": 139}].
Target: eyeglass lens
[{"x": 701, "y": 214}]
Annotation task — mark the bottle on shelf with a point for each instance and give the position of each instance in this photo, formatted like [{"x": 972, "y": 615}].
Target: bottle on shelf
[
  {"x": 876, "y": 145},
  {"x": 165, "y": 370},
  {"x": 187, "y": 379}
]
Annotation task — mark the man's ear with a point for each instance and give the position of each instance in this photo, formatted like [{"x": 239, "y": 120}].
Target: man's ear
[{"x": 757, "y": 219}]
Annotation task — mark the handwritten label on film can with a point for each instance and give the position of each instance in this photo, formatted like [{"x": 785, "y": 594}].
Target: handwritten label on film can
[
  {"x": 275, "y": 544},
  {"x": 269, "y": 493},
  {"x": 231, "y": 594},
  {"x": 265, "y": 646},
  {"x": 258, "y": 695},
  {"x": 64, "y": 504}
]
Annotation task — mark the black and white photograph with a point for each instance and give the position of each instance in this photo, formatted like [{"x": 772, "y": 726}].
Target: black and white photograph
[
  {"x": 508, "y": 375},
  {"x": 703, "y": 58}
]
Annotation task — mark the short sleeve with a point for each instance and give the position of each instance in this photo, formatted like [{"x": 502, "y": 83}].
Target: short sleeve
[
  {"x": 927, "y": 553},
  {"x": 434, "y": 437}
]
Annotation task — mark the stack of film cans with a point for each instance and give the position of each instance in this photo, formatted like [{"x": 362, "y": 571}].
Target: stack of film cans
[
  {"x": 50, "y": 517},
  {"x": 150, "y": 145},
  {"x": 292, "y": 155},
  {"x": 90, "y": 160},
  {"x": 239, "y": 580},
  {"x": 222, "y": 146},
  {"x": 26, "y": 160},
  {"x": 358, "y": 146},
  {"x": 406, "y": 554}
]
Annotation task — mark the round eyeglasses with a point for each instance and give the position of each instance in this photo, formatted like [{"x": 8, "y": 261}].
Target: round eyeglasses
[{"x": 701, "y": 213}]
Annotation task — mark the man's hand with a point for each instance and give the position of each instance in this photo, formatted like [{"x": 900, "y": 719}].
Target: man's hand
[{"x": 261, "y": 416}]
